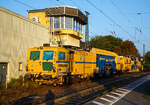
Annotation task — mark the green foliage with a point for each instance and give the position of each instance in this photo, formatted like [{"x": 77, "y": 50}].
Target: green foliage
[
  {"x": 15, "y": 83},
  {"x": 2, "y": 86},
  {"x": 18, "y": 83},
  {"x": 147, "y": 58},
  {"x": 127, "y": 48},
  {"x": 105, "y": 42},
  {"x": 111, "y": 43},
  {"x": 2, "y": 97},
  {"x": 146, "y": 66},
  {"x": 28, "y": 84},
  {"x": 147, "y": 97},
  {"x": 105, "y": 92}
]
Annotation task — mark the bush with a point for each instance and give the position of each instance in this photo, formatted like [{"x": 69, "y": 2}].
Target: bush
[
  {"x": 18, "y": 83},
  {"x": 147, "y": 66},
  {"x": 15, "y": 83},
  {"x": 2, "y": 86},
  {"x": 30, "y": 84}
]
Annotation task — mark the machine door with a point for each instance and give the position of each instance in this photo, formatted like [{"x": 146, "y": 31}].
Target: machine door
[
  {"x": 71, "y": 60},
  {"x": 101, "y": 64},
  {"x": 113, "y": 63},
  {"x": 3, "y": 72}
]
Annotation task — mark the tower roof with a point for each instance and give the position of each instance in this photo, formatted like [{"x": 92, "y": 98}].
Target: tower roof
[{"x": 63, "y": 11}]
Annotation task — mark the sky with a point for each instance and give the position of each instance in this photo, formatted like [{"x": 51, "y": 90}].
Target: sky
[{"x": 126, "y": 19}]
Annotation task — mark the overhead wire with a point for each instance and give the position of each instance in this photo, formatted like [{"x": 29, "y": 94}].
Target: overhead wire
[
  {"x": 108, "y": 17},
  {"x": 121, "y": 12},
  {"x": 20, "y": 2},
  {"x": 129, "y": 21}
]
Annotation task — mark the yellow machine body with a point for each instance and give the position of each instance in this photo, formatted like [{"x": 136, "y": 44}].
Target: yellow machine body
[
  {"x": 53, "y": 67},
  {"x": 48, "y": 64},
  {"x": 83, "y": 64}
]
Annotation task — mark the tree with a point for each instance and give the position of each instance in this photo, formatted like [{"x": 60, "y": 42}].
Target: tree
[
  {"x": 147, "y": 58},
  {"x": 105, "y": 42},
  {"x": 111, "y": 43},
  {"x": 127, "y": 48}
]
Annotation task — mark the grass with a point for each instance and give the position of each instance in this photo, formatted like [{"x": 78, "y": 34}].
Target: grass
[
  {"x": 105, "y": 92},
  {"x": 15, "y": 83},
  {"x": 113, "y": 88},
  {"x": 147, "y": 97},
  {"x": 19, "y": 83},
  {"x": 2, "y": 86},
  {"x": 15, "y": 88},
  {"x": 2, "y": 97}
]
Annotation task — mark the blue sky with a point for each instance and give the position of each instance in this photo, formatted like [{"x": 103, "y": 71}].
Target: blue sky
[{"x": 124, "y": 13}]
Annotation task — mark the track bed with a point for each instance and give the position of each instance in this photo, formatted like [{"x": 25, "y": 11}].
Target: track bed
[{"x": 76, "y": 93}]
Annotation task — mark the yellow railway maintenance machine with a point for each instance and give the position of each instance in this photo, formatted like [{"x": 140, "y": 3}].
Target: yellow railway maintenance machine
[
  {"x": 136, "y": 65},
  {"x": 57, "y": 65},
  {"x": 129, "y": 64}
]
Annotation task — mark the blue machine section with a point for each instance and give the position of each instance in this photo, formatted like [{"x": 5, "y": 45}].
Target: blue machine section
[{"x": 104, "y": 61}]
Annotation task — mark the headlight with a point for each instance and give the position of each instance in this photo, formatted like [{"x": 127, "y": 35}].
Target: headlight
[{"x": 60, "y": 73}]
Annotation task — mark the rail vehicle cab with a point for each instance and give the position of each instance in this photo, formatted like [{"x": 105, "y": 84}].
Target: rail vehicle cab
[
  {"x": 123, "y": 63},
  {"x": 136, "y": 65},
  {"x": 139, "y": 65},
  {"x": 47, "y": 63},
  {"x": 105, "y": 61}
]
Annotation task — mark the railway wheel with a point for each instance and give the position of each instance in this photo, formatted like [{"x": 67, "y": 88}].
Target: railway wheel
[
  {"x": 69, "y": 80},
  {"x": 107, "y": 73},
  {"x": 64, "y": 80}
]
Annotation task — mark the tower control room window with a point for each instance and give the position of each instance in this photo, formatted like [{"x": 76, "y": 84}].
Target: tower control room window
[
  {"x": 64, "y": 22},
  {"x": 51, "y": 22},
  {"x": 68, "y": 23},
  {"x": 57, "y": 22},
  {"x": 74, "y": 24}
]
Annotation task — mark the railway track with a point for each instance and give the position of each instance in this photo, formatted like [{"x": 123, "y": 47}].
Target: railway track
[
  {"x": 83, "y": 96},
  {"x": 79, "y": 95}
]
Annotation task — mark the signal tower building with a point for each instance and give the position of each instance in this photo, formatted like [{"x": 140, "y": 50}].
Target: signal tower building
[{"x": 66, "y": 24}]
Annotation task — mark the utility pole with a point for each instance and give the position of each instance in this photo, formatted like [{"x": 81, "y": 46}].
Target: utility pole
[
  {"x": 143, "y": 50},
  {"x": 87, "y": 32}
]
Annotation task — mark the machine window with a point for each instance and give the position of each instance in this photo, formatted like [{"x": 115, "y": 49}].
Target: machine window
[
  {"x": 48, "y": 55},
  {"x": 61, "y": 56},
  {"x": 47, "y": 66},
  {"x": 35, "y": 55}
]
